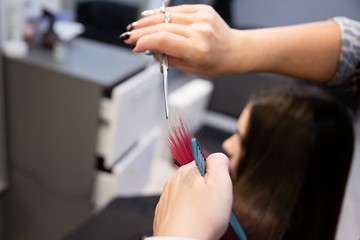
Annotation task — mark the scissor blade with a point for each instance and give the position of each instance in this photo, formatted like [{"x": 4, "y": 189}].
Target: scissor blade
[
  {"x": 163, "y": 60},
  {"x": 165, "y": 76}
]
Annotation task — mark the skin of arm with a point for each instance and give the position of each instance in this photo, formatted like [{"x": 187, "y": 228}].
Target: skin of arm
[
  {"x": 306, "y": 51},
  {"x": 193, "y": 206},
  {"x": 199, "y": 41}
]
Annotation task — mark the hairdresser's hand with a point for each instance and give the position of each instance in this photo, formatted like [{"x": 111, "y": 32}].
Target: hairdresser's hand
[
  {"x": 194, "y": 206},
  {"x": 197, "y": 40}
]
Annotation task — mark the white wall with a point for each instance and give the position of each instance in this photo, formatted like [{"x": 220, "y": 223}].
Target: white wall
[
  {"x": 2, "y": 20},
  {"x": 53, "y": 5},
  {"x": 265, "y": 13}
]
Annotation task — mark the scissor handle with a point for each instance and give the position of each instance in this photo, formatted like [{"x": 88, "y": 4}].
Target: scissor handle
[
  {"x": 163, "y": 62},
  {"x": 166, "y": 2}
]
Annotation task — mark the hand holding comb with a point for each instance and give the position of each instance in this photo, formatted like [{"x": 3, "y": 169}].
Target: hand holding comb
[{"x": 185, "y": 148}]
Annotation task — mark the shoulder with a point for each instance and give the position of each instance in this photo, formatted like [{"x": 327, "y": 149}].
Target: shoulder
[{"x": 349, "y": 61}]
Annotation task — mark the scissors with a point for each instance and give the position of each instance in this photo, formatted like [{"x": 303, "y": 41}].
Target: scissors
[{"x": 164, "y": 66}]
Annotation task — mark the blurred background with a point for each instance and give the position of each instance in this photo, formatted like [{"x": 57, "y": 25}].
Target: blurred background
[{"x": 82, "y": 128}]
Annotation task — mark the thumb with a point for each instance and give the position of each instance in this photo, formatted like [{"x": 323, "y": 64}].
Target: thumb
[
  {"x": 217, "y": 169},
  {"x": 218, "y": 177},
  {"x": 217, "y": 163}
]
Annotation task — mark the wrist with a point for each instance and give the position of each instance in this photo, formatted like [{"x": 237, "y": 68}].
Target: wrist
[{"x": 241, "y": 55}]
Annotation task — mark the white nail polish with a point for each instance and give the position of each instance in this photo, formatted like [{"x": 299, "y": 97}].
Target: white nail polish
[
  {"x": 131, "y": 26},
  {"x": 147, "y": 13}
]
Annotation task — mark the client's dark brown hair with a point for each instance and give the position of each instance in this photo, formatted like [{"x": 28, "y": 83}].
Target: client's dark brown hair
[{"x": 296, "y": 157}]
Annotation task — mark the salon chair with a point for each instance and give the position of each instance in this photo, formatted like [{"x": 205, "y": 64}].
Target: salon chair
[{"x": 105, "y": 20}]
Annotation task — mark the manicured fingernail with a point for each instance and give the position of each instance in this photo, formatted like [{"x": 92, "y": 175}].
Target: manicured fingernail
[
  {"x": 147, "y": 12},
  {"x": 131, "y": 26},
  {"x": 125, "y": 36}
]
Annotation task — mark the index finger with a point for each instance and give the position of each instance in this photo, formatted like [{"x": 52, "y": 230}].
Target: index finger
[
  {"x": 184, "y": 8},
  {"x": 169, "y": 43}
]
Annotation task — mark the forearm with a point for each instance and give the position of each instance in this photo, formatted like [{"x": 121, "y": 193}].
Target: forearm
[{"x": 307, "y": 51}]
